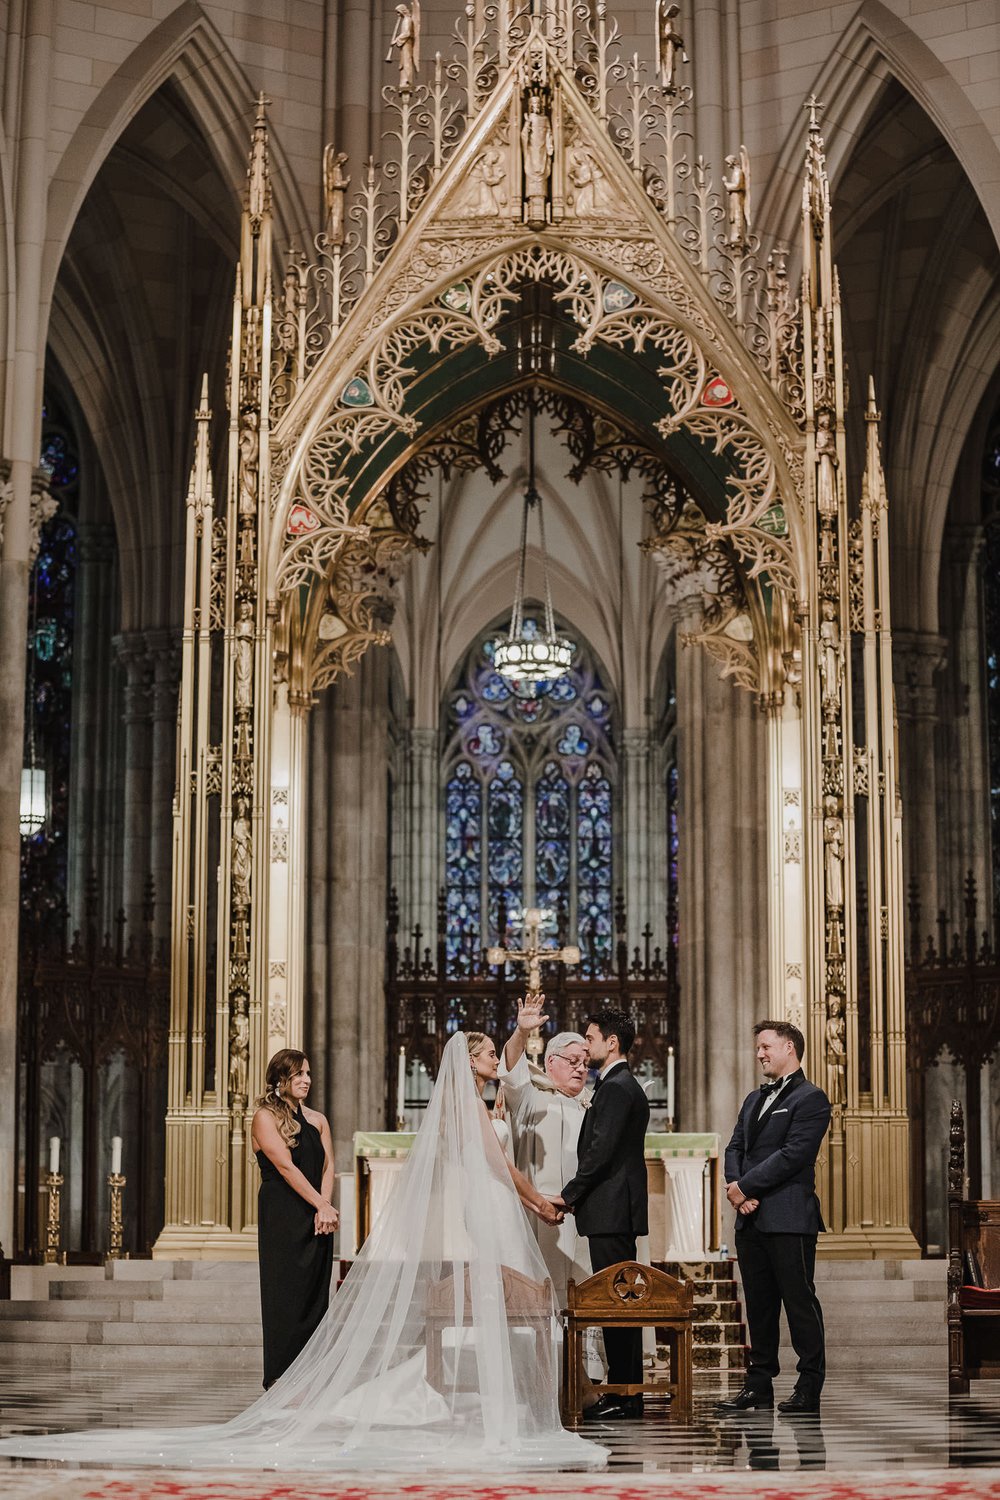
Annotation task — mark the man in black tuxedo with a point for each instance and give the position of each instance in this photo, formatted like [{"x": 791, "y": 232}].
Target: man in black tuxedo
[
  {"x": 608, "y": 1195},
  {"x": 770, "y": 1171}
]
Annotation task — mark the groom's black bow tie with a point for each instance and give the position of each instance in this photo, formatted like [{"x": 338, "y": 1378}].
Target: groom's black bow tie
[{"x": 771, "y": 1088}]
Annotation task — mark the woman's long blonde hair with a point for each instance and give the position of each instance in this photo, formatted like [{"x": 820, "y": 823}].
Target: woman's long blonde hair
[{"x": 280, "y": 1070}]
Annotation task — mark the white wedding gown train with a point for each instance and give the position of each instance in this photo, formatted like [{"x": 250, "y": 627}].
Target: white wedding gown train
[{"x": 439, "y": 1351}]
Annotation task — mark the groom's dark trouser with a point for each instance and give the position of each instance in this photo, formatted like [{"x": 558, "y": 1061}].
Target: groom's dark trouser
[
  {"x": 623, "y": 1346},
  {"x": 779, "y": 1269}
]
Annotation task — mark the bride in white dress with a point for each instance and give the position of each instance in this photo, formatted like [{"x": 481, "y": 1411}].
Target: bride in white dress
[{"x": 439, "y": 1351}]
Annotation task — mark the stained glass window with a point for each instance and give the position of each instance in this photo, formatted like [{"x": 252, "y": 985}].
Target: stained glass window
[
  {"x": 463, "y": 852},
  {"x": 529, "y": 791},
  {"x": 49, "y": 678},
  {"x": 594, "y": 860}
]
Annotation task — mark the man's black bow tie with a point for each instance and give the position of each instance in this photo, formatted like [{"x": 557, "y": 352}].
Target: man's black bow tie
[{"x": 771, "y": 1088}]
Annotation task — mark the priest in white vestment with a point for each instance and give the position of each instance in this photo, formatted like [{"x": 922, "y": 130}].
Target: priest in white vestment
[{"x": 545, "y": 1108}]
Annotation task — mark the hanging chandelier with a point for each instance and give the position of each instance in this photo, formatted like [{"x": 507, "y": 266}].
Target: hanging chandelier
[{"x": 523, "y": 657}]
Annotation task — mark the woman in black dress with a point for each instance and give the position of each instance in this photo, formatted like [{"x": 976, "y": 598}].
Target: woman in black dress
[{"x": 295, "y": 1218}]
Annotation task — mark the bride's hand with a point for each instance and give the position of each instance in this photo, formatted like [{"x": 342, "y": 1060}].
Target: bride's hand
[
  {"x": 529, "y": 1013},
  {"x": 547, "y": 1212}
]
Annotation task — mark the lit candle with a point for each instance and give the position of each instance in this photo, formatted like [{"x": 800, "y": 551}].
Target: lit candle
[
  {"x": 401, "y": 1085},
  {"x": 670, "y": 1083},
  {"x": 116, "y": 1155},
  {"x": 54, "y": 1155}
]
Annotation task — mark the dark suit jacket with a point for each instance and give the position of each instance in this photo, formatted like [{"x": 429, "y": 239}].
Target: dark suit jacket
[
  {"x": 776, "y": 1161},
  {"x": 608, "y": 1193}
]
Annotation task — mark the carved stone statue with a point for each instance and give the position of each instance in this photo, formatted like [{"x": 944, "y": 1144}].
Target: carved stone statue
[
  {"x": 827, "y": 464},
  {"x": 483, "y": 194},
  {"x": 537, "y": 149},
  {"x": 335, "y": 185},
  {"x": 836, "y": 1051},
  {"x": 833, "y": 841},
  {"x": 243, "y": 656},
  {"x": 830, "y": 665},
  {"x": 737, "y": 186},
  {"x": 239, "y": 1052},
  {"x": 407, "y": 38},
  {"x": 241, "y": 855},
  {"x": 249, "y": 459},
  {"x": 589, "y": 181},
  {"x": 669, "y": 46}
]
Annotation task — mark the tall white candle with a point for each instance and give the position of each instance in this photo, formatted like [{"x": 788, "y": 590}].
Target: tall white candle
[
  {"x": 116, "y": 1155},
  {"x": 401, "y": 1085},
  {"x": 670, "y": 1083},
  {"x": 53, "y": 1154}
]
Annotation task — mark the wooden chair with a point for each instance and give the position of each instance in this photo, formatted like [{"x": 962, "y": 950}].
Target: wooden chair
[
  {"x": 973, "y": 1256},
  {"x": 528, "y": 1304},
  {"x": 630, "y": 1295}
]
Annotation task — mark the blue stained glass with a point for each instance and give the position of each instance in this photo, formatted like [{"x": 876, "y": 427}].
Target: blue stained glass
[
  {"x": 572, "y": 741},
  {"x": 463, "y": 856},
  {"x": 552, "y": 839},
  {"x": 529, "y": 760},
  {"x": 486, "y": 740},
  {"x": 505, "y": 852},
  {"x": 594, "y": 859}
]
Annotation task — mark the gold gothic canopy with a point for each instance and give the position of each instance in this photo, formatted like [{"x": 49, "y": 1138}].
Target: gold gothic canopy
[{"x": 538, "y": 155}]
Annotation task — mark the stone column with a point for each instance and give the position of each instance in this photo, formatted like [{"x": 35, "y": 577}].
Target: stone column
[
  {"x": 964, "y": 735},
  {"x": 134, "y": 658},
  {"x": 640, "y": 844},
  {"x": 21, "y": 428},
  {"x": 722, "y": 795},
  {"x": 91, "y": 791},
  {"x": 419, "y": 833},
  {"x": 166, "y": 670},
  {"x": 345, "y": 997},
  {"x": 917, "y": 657}
]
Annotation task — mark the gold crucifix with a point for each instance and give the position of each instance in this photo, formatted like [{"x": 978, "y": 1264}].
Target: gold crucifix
[{"x": 531, "y": 955}]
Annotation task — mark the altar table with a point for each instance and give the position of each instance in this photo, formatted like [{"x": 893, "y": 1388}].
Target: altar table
[{"x": 684, "y": 1189}]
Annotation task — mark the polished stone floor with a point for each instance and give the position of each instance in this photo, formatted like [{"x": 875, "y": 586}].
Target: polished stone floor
[{"x": 877, "y": 1425}]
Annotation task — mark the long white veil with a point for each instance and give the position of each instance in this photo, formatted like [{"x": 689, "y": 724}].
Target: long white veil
[{"x": 439, "y": 1351}]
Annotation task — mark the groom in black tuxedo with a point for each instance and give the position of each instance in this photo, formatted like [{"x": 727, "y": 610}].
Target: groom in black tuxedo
[
  {"x": 608, "y": 1195},
  {"x": 771, "y": 1177}
]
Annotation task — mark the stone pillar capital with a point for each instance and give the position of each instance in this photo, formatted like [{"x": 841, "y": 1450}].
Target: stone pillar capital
[{"x": 917, "y": 658}]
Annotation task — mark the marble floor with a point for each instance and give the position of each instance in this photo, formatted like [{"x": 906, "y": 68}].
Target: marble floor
[{"x": 894, "y": 1436}]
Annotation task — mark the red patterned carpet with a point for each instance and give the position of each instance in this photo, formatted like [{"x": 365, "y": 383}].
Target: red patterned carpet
[{"x": 105, "y": 1485}]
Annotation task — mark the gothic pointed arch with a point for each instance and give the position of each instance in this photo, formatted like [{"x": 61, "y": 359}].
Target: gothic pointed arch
[{"x": 187, "y": 49}]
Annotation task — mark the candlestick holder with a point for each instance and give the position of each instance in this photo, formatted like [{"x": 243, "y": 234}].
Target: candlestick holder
[
  {"x": 54, "y": 1255},
  {"x": 400, "y": 1122},
  {"x": 670, "y": 1124},
  {"x": 116, "y": 1186}
]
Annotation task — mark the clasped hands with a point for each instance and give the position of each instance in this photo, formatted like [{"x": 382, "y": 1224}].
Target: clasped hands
[
  {"x": 551, "y": 1210},
  {"x": 327, "y": 1219},
  {"x": 740, "y": 1201}
]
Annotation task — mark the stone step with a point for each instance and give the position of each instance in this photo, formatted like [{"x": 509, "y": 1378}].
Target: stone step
[
  {"x": 881, "y": 1270},
  {"x": 139, "y": 1357},
  {"x": 230, "y": 1311},
  {"x": 182, "y": 1270},
  {"x": 191, "y": 1335},
  {"x": 108, "y": 1308},
  {"x": 29, "y": 1331},
  {"x": 64, "y": 1291}
]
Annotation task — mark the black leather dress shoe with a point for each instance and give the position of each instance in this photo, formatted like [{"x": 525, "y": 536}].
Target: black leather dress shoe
[
  {"x": 799, "y": 1403},
  {"x": 747, "y": 1400},
  {"x": 607, "y": 1408},
  {"x": 611, "y": 1408}
]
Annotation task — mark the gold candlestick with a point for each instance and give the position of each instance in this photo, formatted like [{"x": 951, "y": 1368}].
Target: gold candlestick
[
  {"x": 53, "y": 1228},
  {"x": 116, "y": 1184}
]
